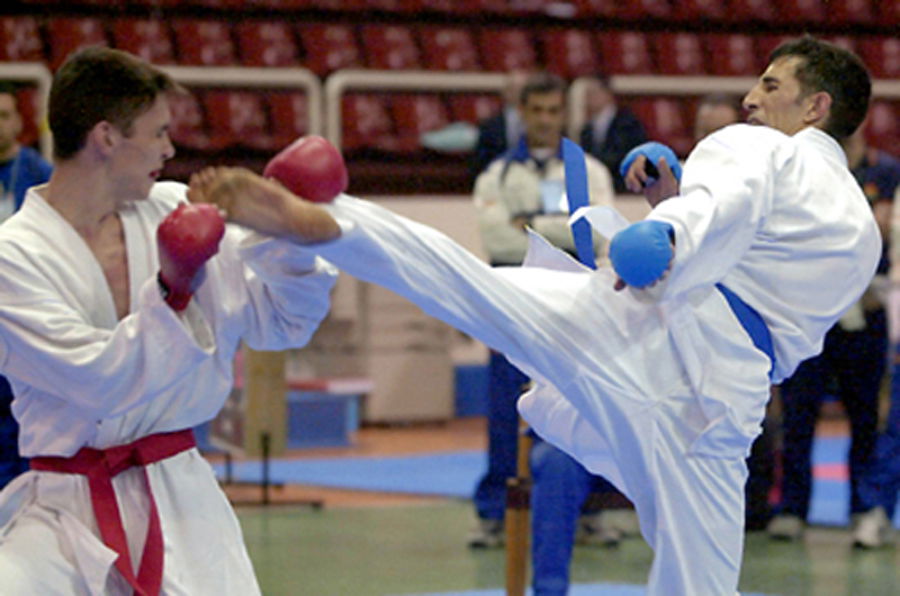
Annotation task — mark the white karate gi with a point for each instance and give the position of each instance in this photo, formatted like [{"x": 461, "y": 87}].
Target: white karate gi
[
  {"x": 661, "y": 391},
  {"x": 83, "y": 378}
]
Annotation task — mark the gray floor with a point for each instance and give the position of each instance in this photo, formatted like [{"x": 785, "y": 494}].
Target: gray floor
[{"x": 393, "y": 550}]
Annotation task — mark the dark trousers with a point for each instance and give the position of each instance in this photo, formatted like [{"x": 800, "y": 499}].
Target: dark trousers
[
  {"x": 850, "y": 367},
  {"x": 11, "y": 463}
]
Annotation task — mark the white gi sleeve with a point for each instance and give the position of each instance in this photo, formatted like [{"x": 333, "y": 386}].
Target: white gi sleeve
[
  {"x": 726, "y": 192},
  {"x": 49, "y": 344},
  {"x": 285, "y": 290}
]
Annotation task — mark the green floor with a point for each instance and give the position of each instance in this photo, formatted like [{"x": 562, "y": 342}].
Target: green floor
[{"x": 419, "y": 549}]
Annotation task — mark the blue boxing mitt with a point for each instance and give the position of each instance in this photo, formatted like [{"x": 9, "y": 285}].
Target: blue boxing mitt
[
  {"x": 640, "y": 253},
  {"x": 653, "y": 151}
]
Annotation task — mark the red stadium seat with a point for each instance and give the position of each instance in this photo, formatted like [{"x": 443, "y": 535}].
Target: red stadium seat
[
  {"x": 504, "y": 50},
  {"x": 597, "y": 8},
  {"x": 390, "y": 47},
  {"x": 28, "y": 102},
  {"x": 188, "y": 126},
  {"x": 149, "y": 39},
  {"x": 204, "y": 42},
  {"x": 570, "y": 53},
  {"x": 732, "y": 55},
  {"x": 881, "y": 55},
  {"x": 288, "y": 112},
  {"x": 415, "y": 114},
  {"x": 888, "y": 12},
  {"x": 699, "y": 10},
  {"x": 367, "y": 123},
  {"x": 801, "y": 11},
  {"x": 69, "y": 34},
  {"x": 327, "y": 48},
  {"x": 845, "y": 12},
  {"x": 267, "y": 44},
  {"x": 665, "y": 121},
  {"x": 766, "y": 44},
  {"x": 626, "y": 53},
  {"x": 752, "y": 10},
  {"x": 883, "y": 126},
  {"x": 449, "y": 48},
  {"x": 680, "y": 54},
  {"x": 468, "y": 107},
  {"x": 642, "y": 9},
  {"x": 239, "y": 117},
  {"x": 20, "y": 40}
]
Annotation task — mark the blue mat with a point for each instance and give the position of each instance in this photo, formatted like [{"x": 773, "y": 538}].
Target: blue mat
[
  {"x": 574, "y": 590},
  {"x": 455, "y": 475}
]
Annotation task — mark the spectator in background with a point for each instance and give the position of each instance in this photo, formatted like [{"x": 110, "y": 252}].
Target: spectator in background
[
  {"x": 852, "y": 362},
  {"x": 524, "y": 188},
  {"x": 715, "y": 111},
  {"x": 879, "y": 175},
  {"x": 20, "y": 168},
  {"x": 502, "y": 130},
  {"x": 611, "y": 130}
]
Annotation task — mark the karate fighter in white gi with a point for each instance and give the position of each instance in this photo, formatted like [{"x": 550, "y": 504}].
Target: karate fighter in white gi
[
  {"x": 116, "y": 349},
  {"x": 660, "y": 387}
]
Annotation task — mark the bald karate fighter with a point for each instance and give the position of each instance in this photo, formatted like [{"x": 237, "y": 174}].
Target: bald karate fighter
[
  {"x": 121, "y": 308},
  {"x": 661, "y": 390}
]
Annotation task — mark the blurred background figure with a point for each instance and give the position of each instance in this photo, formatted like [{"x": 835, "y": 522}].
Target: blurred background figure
[
  {"x": 850, "y": 367},
  {"x": 611, "y": 130},
  {"x": 502, "y": 130},
  {"x": 879, "y": 174},
  {"x": 20, "y": 168},
  {"x": 715, "y": 111},
  {"x": 526, "y": 188}
]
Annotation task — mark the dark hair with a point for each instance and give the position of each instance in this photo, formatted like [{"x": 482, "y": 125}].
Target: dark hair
[
  {"x": 541, "y": 83},
  {"x": 97, "y": 84},
  {"x": 9, "y": 88},
  {"x": 840, "y": 73}
]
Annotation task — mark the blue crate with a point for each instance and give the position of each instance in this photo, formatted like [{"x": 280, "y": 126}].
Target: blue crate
[{"x": 318, "y": 419}]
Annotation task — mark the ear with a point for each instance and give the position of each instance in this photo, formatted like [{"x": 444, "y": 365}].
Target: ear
[
  {"x": 103, "y": 138},
  {"x": 818, "y": 108}
]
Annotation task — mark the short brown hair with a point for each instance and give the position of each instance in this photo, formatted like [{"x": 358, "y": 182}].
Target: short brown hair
[{"x": 97, "y": 84}]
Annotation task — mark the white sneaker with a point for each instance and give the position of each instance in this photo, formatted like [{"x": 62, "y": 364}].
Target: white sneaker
[
  {"x": 488, "y": 533},
  {"x": 596, "y": 530},
  {"x": 873, "y": 529},
  {"x": 786, "y": 527}
]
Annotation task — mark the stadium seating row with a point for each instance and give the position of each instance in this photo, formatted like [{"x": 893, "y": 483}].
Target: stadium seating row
[
  {"x": 217, "y": 119},
  {"x": 838, "y": 12},
  {"x": 326, "y": 47}
]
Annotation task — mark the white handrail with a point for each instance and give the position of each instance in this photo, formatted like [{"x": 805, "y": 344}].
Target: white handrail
[
  {"x": 394, "y": 80},
  {"x": 39, "y": 74},
  {"x": 251, "y": 76}
]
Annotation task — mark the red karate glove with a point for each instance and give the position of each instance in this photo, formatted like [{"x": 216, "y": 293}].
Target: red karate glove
[
  {"x": 311, "y": 168},
  {"x": 186, "y": 238}
]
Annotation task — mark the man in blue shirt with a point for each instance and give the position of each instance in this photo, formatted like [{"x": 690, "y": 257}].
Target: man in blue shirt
[{"x": 20, "y": 168}]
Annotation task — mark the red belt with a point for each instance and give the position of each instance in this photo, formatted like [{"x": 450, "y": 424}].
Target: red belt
[{"x": 101, "y": 466}]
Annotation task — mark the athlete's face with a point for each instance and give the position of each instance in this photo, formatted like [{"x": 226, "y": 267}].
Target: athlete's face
[
  {"x": 777, "y": 99},
  {"x": 543, "y": 115},
  {"x": 139, "y": 157}
]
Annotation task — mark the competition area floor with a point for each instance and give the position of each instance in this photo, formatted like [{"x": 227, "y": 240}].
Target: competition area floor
[{"x": 388, "y": 543}]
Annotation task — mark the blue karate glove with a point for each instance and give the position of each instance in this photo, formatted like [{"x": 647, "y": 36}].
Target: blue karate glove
[
  {"x": 641, "y": 253},
  {"x": 653, "y": 151}
]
